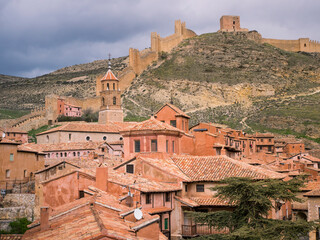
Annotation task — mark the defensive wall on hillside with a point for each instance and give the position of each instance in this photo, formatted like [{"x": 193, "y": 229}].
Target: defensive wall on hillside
[
  {"x": 300, "y": 45},
  {"x": 232, "y": 24},
  {"x": 140, "y": 60}
]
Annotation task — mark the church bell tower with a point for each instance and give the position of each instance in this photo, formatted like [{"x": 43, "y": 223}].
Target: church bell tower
[{"x": 110, "y": 94}]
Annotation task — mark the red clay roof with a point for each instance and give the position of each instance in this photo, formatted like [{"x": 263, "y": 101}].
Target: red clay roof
[
  {"x": 90, "y": 218},
  {"x": 187, "y": 201},
  {"x": 141, "y": 184},
  {"x": 174, "y": 108},
  {"x": 216, "y": 168},
  {"x": 15, "y": 130},
  {"x": 263, "y": 135},
  {"x": 311, "y": 158},
  {"x": 86, "y": 127},
  {"x": 109, "y": 76},
  {"x": 313, "y": 193},
  {"x": 89, "y": 145},
  {"x": 166, "y": 164},
  {"x": 159, "y": 210},
  {"x": 151, "y": 124}
]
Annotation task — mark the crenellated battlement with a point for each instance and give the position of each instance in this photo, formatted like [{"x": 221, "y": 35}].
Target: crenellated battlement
[{"x": 140, "y": 60}]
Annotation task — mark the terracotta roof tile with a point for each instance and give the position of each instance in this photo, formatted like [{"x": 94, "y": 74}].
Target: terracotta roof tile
[
  {"x": 311, "y": 158},
  {"x": 15, "y": 130},
  {"x": 83, "y": 220},
  {"x": 140, "y": 183},
  {"x": 5, "y": 140},
  {"x": 158, "y": 210},
  {"x": 168, "y": 165},
  {"x": 89, "y": 145},
  {"x": 216, "y": 168},
  {"x": 313, "y": 193},
  {"x": 187, "y": 201},
  {"x": 86, "y": 127},
  {"x": 151, "y": 124},
  {"x": 177, "y": 110},
  {"x": 263, "y": 135},
  {"x": 109, "y": 76}
]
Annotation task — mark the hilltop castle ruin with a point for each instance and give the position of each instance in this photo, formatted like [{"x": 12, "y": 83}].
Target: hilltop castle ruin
[{"x": 232, "y": 24}]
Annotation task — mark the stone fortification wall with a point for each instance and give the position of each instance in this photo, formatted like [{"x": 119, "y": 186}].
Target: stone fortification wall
[
  {"x": 300, "y": 45},
  {"x": 33, "y": 120},
  {"x": 232, "y": 24},
  {"x": 126, "y": 76},
  {"x": 140, "y": 60}
]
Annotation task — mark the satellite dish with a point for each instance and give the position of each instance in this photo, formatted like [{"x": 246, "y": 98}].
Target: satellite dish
[
  {"x": 137, "y": 214},
  {"x": 3, "y": 135}
]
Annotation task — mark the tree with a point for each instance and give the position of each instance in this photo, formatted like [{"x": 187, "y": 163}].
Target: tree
[{"x": 253, "y": 200}]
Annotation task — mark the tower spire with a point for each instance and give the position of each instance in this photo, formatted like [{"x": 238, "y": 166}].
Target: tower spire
[{"x": 109, "y": 62}]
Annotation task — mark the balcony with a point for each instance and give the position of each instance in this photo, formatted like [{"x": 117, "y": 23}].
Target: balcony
[{"x": 200, "y": 229}]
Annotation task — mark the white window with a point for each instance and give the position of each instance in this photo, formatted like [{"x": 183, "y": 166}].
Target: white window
[{"x": 11, "y": 157}]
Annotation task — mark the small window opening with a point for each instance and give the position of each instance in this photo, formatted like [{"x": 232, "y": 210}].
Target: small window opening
[{"x": 130, "y": 168}]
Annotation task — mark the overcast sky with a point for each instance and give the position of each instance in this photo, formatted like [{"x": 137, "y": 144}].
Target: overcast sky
[{"x": 40, "y": 36}]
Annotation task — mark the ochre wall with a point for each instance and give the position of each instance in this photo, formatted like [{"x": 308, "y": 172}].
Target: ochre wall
[
  {"x": 65, "y": 189},
  {"x": 31, "y": 162},
  {"x": 302, "y": 44}
]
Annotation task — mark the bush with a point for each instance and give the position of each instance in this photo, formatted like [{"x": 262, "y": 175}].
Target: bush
[{"x": 19, "y": 226}]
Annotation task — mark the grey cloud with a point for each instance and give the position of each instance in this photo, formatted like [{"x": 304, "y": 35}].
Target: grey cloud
[{"x": 43, "y": 35}]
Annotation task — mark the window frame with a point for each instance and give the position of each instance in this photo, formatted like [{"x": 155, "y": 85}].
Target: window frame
[
  {"x": 173, "y": 123},
  {"x": 130, "y": 168},
  {"x": 200, "y": 188},
  {"x": 148, "y": 198},
  {"x": 154, "y": 143},
  {"x": 137, "y": 146}
]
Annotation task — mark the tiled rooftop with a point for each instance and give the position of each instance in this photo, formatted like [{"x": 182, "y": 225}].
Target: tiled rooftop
[
  {"x": 174, "y": 108},
  {"x": 109, "y": 76},
  {"x": 311, "y": 158},
  {"x": 141, "y": 184},
  {"x": 151, "y": 124},
  {"x": 89, "y": 218},
  {"x": 89, "y": 145},
  {"x": 216, "y": 168},
  {"x": 166, "y": 164},
  {"x": 110, "y": 127}
]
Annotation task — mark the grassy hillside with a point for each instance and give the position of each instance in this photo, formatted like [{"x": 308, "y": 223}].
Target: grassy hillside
[{"x": 231, "y": 79}]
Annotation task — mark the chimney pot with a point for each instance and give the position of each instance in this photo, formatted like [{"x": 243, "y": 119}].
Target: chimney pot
[
  {"x": 102, "y": 178},
  {"x": 44, "y": 218}
]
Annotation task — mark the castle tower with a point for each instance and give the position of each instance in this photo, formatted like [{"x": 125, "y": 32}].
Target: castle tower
[
  {"x": 231, "y": 24},
  {"x": 110, "y": 110}
]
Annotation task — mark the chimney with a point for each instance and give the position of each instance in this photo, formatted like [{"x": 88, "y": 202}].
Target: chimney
[
  {"x": 44, "y": 218},
  {"x": 102, "y": 178}
]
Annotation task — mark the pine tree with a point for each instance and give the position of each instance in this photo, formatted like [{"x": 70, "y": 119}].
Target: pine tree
[{"x": 253, "y": 200}]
